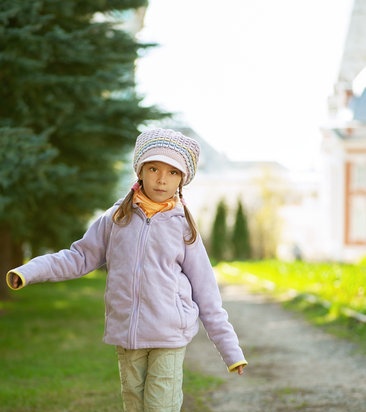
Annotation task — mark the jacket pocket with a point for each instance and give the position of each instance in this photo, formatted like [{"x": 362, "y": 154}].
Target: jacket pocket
[{"x": 181, "y": 312}]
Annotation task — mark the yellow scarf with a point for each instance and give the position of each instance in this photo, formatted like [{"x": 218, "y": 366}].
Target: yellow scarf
[{"x": 149, "y": 207}]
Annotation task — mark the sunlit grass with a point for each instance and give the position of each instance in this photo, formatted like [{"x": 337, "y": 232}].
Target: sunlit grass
[
  {"x": 340, "y": 284},
  {"x": 322, "y": 292}
]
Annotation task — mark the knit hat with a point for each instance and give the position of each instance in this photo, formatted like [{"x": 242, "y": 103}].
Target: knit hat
[{"x": 168, "y": 146}]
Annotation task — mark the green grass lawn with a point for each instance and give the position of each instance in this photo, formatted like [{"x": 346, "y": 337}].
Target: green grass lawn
[{"x": 52, "y": 355}]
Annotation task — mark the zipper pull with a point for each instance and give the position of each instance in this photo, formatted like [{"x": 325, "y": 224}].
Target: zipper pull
[{"x": 148, "y": 220}]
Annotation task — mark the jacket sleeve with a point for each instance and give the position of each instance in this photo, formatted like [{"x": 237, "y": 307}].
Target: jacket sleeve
[
  {"x": 84, "y": 256},
  {"x": 206, "y": 294}
]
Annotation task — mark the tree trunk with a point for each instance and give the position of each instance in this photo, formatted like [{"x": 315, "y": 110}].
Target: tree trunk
[{"x": 11, "y": 255}]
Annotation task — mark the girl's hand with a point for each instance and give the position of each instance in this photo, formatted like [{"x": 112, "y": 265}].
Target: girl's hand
[
  {"x": 240, "y": 369},
  {"x": 16, "y": 281}
]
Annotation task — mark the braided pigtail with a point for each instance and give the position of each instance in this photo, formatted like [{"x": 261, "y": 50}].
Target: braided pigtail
[
  {"x": 191, "y": 223},
  {"x": 123, "y": 215}
]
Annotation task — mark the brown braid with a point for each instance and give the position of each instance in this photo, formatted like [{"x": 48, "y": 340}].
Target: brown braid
[
  {"x": 190, "y": 220},
  {"x": 123, "y": 215}
]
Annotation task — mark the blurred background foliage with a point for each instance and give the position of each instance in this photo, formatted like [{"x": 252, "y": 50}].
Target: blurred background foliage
[{"x": 69, "y": 111}]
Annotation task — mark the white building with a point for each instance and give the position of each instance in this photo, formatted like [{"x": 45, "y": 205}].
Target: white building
[{"x": 344, "y": 150}]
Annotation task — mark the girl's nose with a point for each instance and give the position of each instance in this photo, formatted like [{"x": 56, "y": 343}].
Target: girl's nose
[{"x": 162, "y": 178}]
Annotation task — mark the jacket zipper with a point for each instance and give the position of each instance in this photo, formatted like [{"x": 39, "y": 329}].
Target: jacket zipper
[{"x": 136, "y": 284}]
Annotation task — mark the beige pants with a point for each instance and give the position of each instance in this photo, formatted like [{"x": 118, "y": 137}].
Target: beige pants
[{"x": 151, "y": 379}]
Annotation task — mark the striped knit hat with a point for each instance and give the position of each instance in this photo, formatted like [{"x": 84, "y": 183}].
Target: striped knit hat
[{"x": 168, "y": 146}]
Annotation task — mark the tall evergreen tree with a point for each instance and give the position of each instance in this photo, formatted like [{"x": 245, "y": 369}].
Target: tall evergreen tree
[
  {"x": 219, "y": 236},
  {"x": 68, "y": 113},
  {"x": 240, "y": 236}
]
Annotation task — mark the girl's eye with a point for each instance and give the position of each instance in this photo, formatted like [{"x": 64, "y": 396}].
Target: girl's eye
[{"x": 153, "y": 169}]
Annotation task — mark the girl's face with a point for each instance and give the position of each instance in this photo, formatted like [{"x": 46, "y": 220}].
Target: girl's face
[{"x": 160, "y": 180}]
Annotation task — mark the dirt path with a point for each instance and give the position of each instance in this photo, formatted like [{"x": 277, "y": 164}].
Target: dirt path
[{"x": 293, "y": 366}]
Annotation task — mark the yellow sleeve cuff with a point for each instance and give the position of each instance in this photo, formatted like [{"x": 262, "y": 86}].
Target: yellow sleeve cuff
[
  {"x": 9, "y": 279},
  {"x": 235, "y": 365}
]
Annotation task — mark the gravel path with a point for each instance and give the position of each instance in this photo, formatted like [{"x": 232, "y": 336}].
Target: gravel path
[{"x": 293, "y": 366}]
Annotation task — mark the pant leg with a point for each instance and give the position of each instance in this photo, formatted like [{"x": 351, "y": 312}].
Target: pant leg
[
  {"x": 132, "y": 366},
  {"x": 164, "y": 379}
]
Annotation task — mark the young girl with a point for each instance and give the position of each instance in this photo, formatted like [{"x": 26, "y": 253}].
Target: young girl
[{"x": 160, "y": 280}]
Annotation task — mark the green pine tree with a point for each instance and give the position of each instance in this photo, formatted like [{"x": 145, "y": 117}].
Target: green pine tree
[
  {"x": 240, "y": 236},
  {"x": 219, "y": 235},
  {"x": 68, "y": 113}
]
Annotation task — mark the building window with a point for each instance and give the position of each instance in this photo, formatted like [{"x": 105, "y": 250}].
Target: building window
[
  {"x": 358, "y": 176},
  {"x": 355, "y": 203}
]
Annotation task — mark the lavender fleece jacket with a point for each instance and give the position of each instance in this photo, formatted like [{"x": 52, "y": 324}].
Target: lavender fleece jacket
[{"x": 157, "y": 286}]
